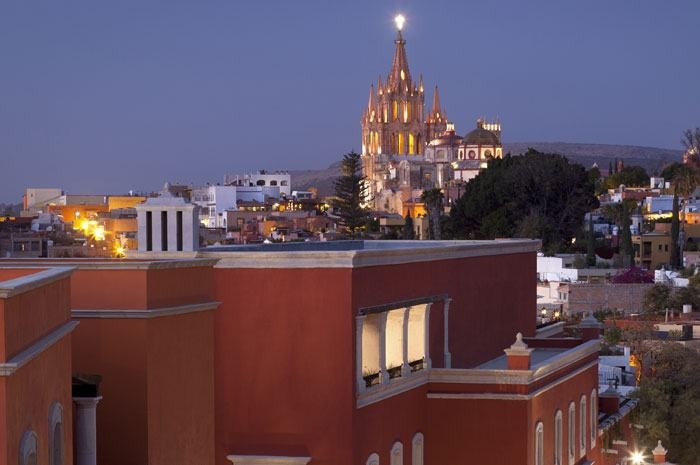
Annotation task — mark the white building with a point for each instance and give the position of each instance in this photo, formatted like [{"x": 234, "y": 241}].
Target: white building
[
  {"x": 279, "y": 179},
  {"x": 213, "y": 201},
  {"x": 552, "y": 269},
  {"x": 167, "y": 224}
]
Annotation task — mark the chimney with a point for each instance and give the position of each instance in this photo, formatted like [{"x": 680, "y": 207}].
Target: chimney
[
  {"x": 609, "y": 401},
  {"x": 590, "y": 328},
  {"x": 659, "y": 453},
  {"x": 518, "y": 354}
]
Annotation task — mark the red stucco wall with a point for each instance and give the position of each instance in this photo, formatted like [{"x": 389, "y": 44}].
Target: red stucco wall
[{"x": 284, "y": 371}]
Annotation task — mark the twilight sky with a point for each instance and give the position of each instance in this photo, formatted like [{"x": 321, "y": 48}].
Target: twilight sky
[{"x": 105, "y": 96}]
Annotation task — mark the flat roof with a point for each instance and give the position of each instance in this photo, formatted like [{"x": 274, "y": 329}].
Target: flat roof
[
  {"x": 538, "y": 356},
  {"x": 358, "y": 253},
  {"x": 23, "y": 282}
]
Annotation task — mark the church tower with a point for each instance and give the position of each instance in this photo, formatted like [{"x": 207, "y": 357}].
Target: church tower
[{"x": 394, "y": 126}]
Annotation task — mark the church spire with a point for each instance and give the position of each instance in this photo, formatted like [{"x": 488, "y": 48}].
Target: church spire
[
  {"x": 436, "y": 102},
  {"x": 399, "y": 76},
  {"x": 371, "y": 104}
]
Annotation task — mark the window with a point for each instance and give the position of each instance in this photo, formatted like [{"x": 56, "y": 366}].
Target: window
[
  {"x": 659, "y": 247},
  {"x": 149, "y": 231},
  {"x": 397, "y": 454},
  {"x": 401, "y": 143},
  {"x": 417, "y": 449},
  {"x": 179, "y": 230},
  {"x": 594, "y": 417},
  {"x": 558, "y": 432},
  {"x": 571, "y": 439},
  {"x": 28, "y": 448},
  {"x": 56, "y": 434},
  {"x": 373, "y": 459},
  {"x": 164, "y": 230},
  {"x": 582, "y": 426},
  {"x": 411, "y": 144},
  {"x": 539, "y": 444},
  {"x": 472, "y": 154}
]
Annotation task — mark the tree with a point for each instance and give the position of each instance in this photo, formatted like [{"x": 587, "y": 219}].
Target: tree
[
  {"x": 534, "y": 195},
  {"x": 350, "y": 193},
  {"x": 691, "y": 143},
  {"x": 590, "y": 239},
  {"x": 633, "y": 275},
  {"x": 669, "y": 403},
  {"x": 675, "y": 232},
  {"x": 433, "y": 204},
  {"x": 657, "y": 299},
  {"x": 626, "y": 249},
  {"x": 408, "y": 232},
  {"x": 630, "y": 176}
]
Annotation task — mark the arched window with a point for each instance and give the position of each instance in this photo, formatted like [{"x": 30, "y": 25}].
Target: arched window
[
  {"x": 394, "y": 110},
  {"x": 411, "y": 144},
  {"x": 558, "y": 432},
  {"x": 28, "y": 448},
  {"x": 472, "y": 154},
  {"x": 373, "y": 459},
  {"x": 594, "y": 417},
  {"x": 539, "y": 444},
  {"x": 488, "y": 154},
  {"x": 582, "y": 426},
  {"x": 273, "y": 183},
  {"x": 56, "y": 434},
  {"x": 417, "y": 449},
  {"x": 397, "y": 454},
  {"x": 571, "y": 439},
  {"x": 261, "y": 182}
]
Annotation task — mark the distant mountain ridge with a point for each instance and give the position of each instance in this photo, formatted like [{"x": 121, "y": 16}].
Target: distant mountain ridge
[{"x": 652, "y": 159}]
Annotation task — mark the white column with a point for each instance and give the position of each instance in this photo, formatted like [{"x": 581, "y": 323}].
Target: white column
[
  {"x": 446, "y": 311},
  {"x": 383, "y": 373},
  {"x": 426, "y": 340},
  {"x": 405, "y": 367},
  {"x": 359, "y": 322},
  {"x": 86, "y": 430}
]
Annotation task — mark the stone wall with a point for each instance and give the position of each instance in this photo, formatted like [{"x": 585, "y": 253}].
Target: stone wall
[{"x": 587, "y": 297}]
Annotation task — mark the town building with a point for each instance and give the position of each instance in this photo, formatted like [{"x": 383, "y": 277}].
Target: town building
[
  {"x": 167, "y": 224},
  {"x": 279, "y": 179},
  {"x": 36, "y": 402},
  {"x": 406, "y": 149},
  {"x": 279, "y": 353},
  {"x": 652, "y": 250}
]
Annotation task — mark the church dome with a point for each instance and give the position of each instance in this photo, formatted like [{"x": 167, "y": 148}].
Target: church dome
[
  {"x": 481, "y": 136},
  {"x": 448, "y": 138}
]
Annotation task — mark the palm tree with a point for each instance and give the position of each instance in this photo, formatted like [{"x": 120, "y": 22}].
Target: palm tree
[{"x": 433, "y": 204}]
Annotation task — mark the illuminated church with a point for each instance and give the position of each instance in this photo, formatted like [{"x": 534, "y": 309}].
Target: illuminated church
[{"x": 406, "y": 149}]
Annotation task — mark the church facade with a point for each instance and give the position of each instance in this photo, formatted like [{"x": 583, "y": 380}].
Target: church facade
[{"x": 408, "y": 148}]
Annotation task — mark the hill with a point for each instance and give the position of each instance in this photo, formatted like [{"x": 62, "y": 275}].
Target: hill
[{"x": 651, "y": 159}]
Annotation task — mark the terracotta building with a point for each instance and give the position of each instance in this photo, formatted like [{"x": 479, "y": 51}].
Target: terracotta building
[
  {"x": 36, "y": 425},
  {"x": 351, "y": 352}
]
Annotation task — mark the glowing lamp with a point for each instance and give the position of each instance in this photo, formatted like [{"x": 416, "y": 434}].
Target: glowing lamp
[
  {"x": 637, "y": 458},
  {"x": 399, "y": 20}
]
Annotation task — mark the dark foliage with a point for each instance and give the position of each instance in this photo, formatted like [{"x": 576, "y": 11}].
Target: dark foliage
[{"x": 534, "y": 195}]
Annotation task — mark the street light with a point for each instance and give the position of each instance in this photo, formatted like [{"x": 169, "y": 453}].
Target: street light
[{"x": 636, "y": 458}]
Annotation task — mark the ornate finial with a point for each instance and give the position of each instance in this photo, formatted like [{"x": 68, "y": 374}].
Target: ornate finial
[
  {"x": 519, "y": 344},
  {"x": 659, "y": 450}
]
